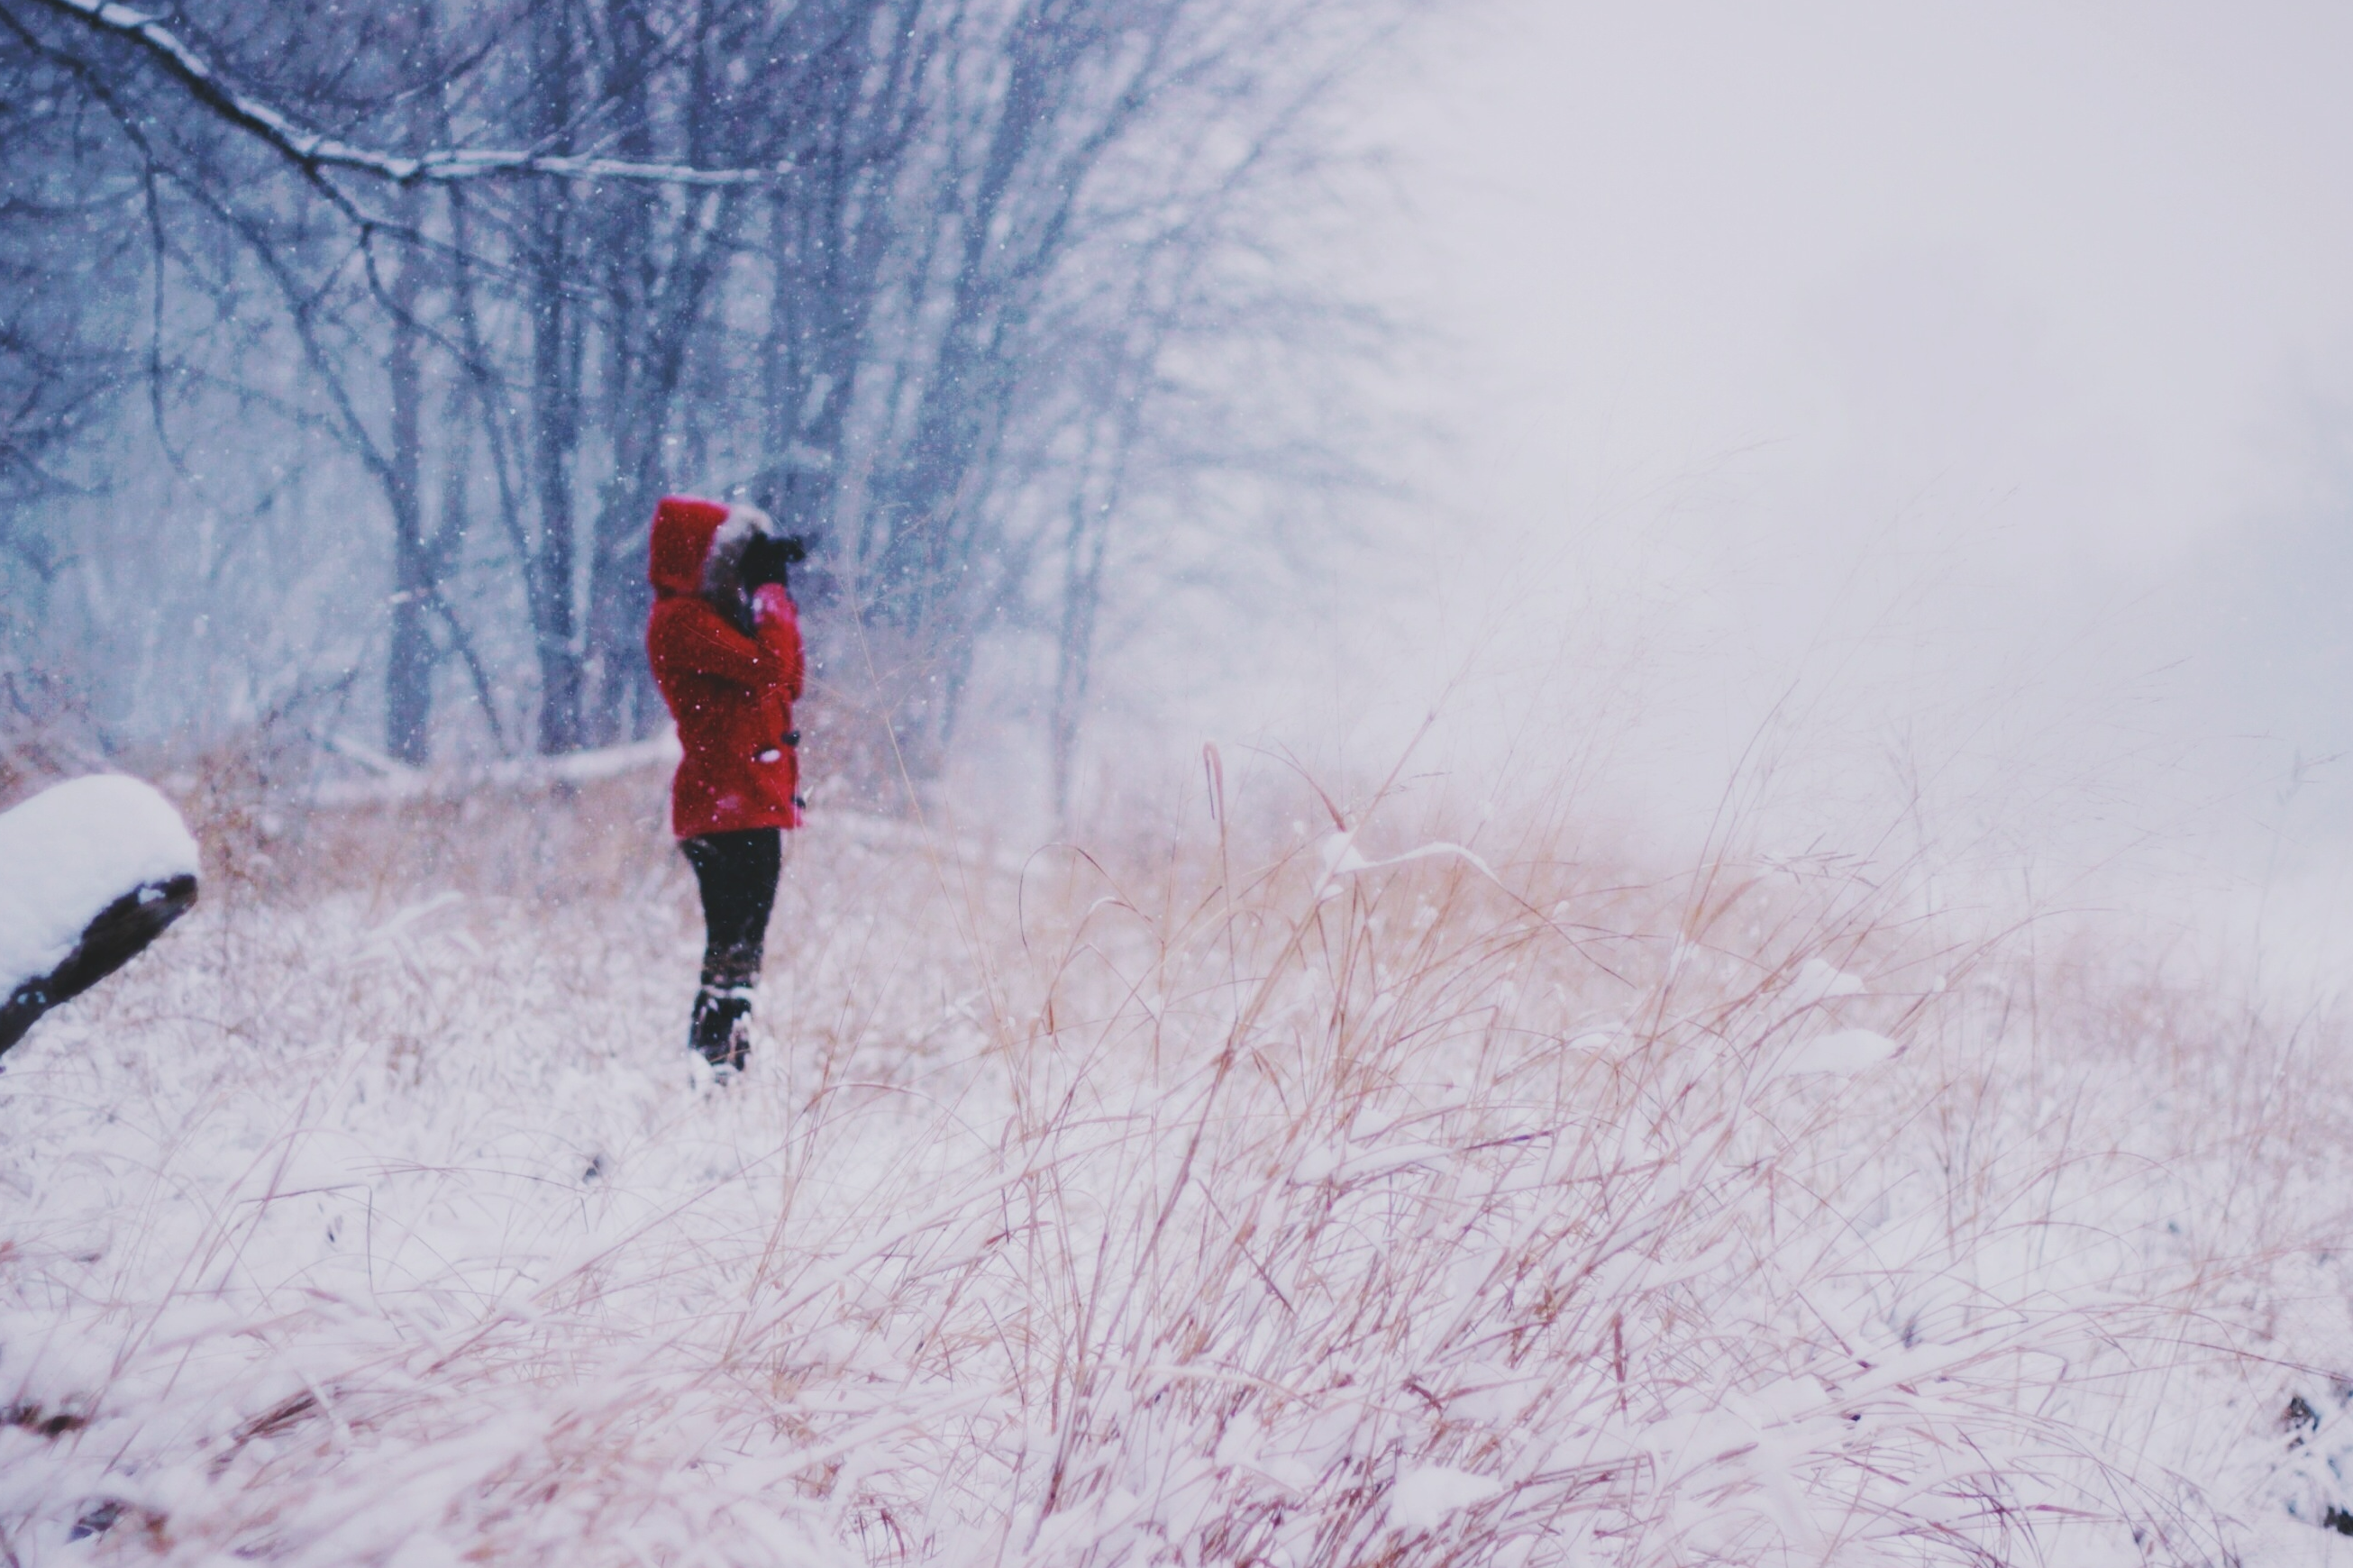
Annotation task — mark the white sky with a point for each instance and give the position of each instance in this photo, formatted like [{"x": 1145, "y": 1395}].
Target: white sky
[{"x": 1974, "y": 382}]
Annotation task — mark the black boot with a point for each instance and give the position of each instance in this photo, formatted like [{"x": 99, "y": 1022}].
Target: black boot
[{"x": 721, "y": 1031}]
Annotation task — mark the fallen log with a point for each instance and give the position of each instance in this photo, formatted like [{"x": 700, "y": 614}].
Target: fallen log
[{"x": 91, "y": 871}]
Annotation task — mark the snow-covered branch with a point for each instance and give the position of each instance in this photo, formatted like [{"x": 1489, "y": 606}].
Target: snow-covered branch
[{"x": 315, "y": 151}]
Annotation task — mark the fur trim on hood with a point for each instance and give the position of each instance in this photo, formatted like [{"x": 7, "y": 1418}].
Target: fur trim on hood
[{"x": 722, "y": 559}]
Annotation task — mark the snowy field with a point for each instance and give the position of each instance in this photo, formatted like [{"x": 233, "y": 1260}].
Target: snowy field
[{"x": 1213, "y": 1196}]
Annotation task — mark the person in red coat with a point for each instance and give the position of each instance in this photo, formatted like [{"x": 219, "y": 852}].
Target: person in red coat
[{"x": 725, "y": 643}]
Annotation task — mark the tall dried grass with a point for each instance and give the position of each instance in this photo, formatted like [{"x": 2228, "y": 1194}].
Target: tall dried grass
[{"x": 1221, "y": 1194}]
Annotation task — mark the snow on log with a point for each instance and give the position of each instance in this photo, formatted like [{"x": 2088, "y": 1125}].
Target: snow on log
[{"x": 91, "y": 871}]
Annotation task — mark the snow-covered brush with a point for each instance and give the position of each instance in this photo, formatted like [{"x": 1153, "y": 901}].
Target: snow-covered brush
[
  {"x": 1201, "y": 1198},
  {"x": 91, "y": 871}
]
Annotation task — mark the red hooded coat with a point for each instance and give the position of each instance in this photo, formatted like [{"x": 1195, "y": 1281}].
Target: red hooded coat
[{"x": 731, "y": 695}]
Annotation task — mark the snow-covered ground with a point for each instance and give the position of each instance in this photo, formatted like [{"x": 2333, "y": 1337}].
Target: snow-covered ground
[{"x": 1187, "y": 1201}]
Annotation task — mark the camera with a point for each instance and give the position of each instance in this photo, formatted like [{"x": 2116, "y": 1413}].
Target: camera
[{"x": 769, "y": 560}]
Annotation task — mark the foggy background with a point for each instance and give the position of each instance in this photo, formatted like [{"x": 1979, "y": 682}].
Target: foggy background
[{"x": 1869, "y": 402}]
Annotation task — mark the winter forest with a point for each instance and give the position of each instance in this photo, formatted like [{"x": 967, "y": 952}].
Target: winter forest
[
  {"x": 407, "y": 317},
  {"x": 1283, "y": 783}
]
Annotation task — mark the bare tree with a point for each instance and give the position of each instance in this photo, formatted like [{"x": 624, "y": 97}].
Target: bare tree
[
  {"x": 1107, "y": 157},
  {"x": 944, "y": 281}
]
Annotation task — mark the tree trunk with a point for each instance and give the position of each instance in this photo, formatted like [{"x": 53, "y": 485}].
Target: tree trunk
[
  {"x": 1075, "y": 647},
  {"x": 620, "y": 234},
  {"x": 555, "y": 412},
  {"x": 416, "y": 563},
  {"x": 408, "y": 671}
]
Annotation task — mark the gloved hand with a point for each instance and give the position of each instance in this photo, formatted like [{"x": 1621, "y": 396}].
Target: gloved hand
[{"x": 770, "y": 559}]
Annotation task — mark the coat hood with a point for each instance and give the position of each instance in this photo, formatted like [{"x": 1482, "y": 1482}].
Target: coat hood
[
  {"x": 698, "y": 545},
  {"x": 681, "y": 537}
]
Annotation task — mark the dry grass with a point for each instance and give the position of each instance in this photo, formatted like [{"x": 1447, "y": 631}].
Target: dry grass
[{"x": 1199, "y": 1196}]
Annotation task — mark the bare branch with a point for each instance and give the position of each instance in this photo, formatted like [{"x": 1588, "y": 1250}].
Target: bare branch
[{"x": 316, "y": 151}]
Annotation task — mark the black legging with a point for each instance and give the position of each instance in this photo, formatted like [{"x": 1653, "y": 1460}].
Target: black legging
[{"x": 737, "y": 872}]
